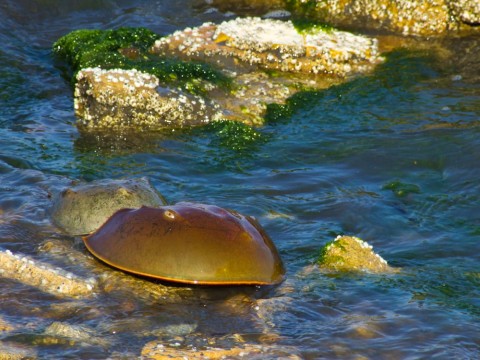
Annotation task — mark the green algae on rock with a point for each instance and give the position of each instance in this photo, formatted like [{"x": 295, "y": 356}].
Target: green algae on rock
[
  {"x": 127, "y": 49},
  {"x": 349, "y": 253},
  {"x": 235, "y": 135}
]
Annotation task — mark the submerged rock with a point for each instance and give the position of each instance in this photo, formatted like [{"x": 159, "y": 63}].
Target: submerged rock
[
  {"x": 107, "y": 279},
  {"x": 208, "y": 73},
  {"x": 44, "y": 276},
  {"x": 349, "y": 253},
  {"x": 214, "y": 349},
  {"x": 76, "y": 334},
  {"x": 16, "y": 351},
  {"x": 5, "y": 326},
  {"x": 81, "y": 209}
]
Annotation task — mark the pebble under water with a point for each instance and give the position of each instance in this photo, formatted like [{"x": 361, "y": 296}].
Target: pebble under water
[{"x": 392, "y": 157}]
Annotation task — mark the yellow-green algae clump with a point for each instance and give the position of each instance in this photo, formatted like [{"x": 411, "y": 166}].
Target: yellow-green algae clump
[{"x": 351, "y": 254}]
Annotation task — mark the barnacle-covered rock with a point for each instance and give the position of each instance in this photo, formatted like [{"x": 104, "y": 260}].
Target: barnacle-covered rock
[
  {"x": 44, "y": 276},
  {"x": 407, "y": 17},
  {"x": 412, "y": 17},
  {"x": 349, "y": 253},
  {"x": 229, "y": 71},
  {"x": 466, "y": 11},
  {"x": 130, "y": 99},
  {"x": 274, "y": 45}
]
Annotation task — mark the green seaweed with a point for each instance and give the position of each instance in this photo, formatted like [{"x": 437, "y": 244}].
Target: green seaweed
[
  {"x": 235, "y": 135},
  {"x": 128, "y": 48},
  {"x": 306, "y": 26},
  {"x": 278, "y": 112},
  {"x": 306, "y": 9},
  {"x": 323, "y": 252},
  {"x": 90, "y": 48},
  {"x": 303, "y": 6},
  {"x": 401, "y": 189}
]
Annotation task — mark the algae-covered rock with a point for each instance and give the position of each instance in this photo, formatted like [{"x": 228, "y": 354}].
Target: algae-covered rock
[
  {"x": 198, "y": 75},
  {"x": 349, "y": 253},
  {"x": 81, "y": 209},
  {"x": 127, "y": 49}
]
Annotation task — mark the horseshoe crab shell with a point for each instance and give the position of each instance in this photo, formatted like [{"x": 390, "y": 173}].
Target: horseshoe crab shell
[
  {"x": 82, "y": 209},
  {"x": 188, "y": 243}
]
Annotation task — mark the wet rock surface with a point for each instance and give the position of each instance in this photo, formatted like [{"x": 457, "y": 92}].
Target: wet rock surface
[
  {"x": 124, "y": 99},
  {"x": 274, "y": 45},
  {"x": 74, "y": 333},
  {"x": 13, "y": 351},
  {"x": 466, "y": 11},
  {"x": 43, "y": 276},
  {"x": 83, "y": 208},
  {"x": 108, "y": 280},
  {"x": 217, "y": 348}
]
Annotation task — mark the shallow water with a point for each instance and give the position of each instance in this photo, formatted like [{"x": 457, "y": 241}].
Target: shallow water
[{"x": 391, "y": 157}]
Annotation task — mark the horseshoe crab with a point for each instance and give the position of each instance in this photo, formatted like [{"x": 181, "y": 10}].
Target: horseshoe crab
[
  {"x": 188, "y": 243},
  {"x": 81, "y": 209}
]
